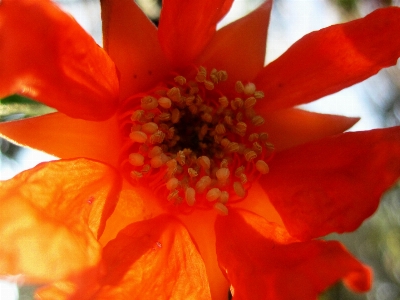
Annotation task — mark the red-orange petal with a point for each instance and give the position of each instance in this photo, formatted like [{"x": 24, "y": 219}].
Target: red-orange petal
[
  {"x": 66, "y": 137},
  {"x": 326, "y": 61},
  {"x": 291, "y": 127},
  {"x": 153, "y": 259},
  {"x": 239, "y": 48},
  {"x": 186, "y": 27},
  {"x": 131, "y": 41},
  {"x": 51, "y": 217},
  {"x": 262, "y": 261},
  {"x": 47, "y": 56},
  {"x": 334, "y": 184}
]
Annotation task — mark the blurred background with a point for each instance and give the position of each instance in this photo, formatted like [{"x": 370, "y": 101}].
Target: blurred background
[{"x": 376, "y": 101}]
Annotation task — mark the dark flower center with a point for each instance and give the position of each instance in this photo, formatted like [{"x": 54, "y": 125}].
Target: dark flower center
[{"x": 192, "y": 144}]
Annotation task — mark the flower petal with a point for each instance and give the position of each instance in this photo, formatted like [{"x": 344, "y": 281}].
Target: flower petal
[
  {"x": 153, "y": 259},
  {"x": 239, "y": 48},
  {"x": 131, "y": 41},
  {"x": 47, "y": 56},
  {"x": 181, "y": 36},
  {"x": 65, "y": 137},
  {"x": 326, "y": 61},
  {"x": 291, "y": 127},
  {"x": 334, "y": 184},
  {"x": 51, "y": 216},
  {"x": 263, "y": 262}
]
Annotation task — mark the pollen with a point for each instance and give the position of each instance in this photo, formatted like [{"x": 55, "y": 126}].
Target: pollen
[{"x": 195, "y": 146}]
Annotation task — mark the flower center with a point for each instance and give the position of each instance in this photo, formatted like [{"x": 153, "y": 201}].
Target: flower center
[{"x": 194, "y": 146}]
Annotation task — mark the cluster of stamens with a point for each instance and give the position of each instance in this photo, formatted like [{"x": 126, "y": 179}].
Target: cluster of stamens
[{"x": 192, "y": 144}]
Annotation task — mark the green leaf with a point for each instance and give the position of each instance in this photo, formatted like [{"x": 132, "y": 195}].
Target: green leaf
[{"x": 19, "y": 107}]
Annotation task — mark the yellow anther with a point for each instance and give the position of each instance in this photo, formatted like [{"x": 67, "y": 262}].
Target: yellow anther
[
  {"x": 222, "y": 75},
  {"x": 157, "y": 137},
  {"x": 204, "y": 162},
  {"x": 149, "y": 116},
  {"x": 192, "y": 172},
  {"x": 165, "y": 102},
  {"x": 189, "y": 100},
  {"x": 174, "y": 194},
  {"x": 203, "y": 184},
  {"x": 208, "y": 85},
  {"x": 236, "y": 103},
  {"x": 250, "y": 88},
  {"x": 156, "y": 162},
  {"x": 257, "y": 147},
  {"x": 171, "y": 132},
  {"x": 174, "y": 94},
  {"x": 149, "y": 103},
  {"x": 239, "y": 116},
  {"x": 222, "y": 174},
  {"x": 150, "y": 127},
  {"x": 243, "y": 178},
  {"x": 250, "y": 102},
  {"x": 224, "y": 163},
  {"x": 214, "y": 75},
  {"x": 250, "y": 155},
  {"x": 180, "y": 79},
  {"x": 239, "y": 171},
  {"x": 220, "y": 129},
  {"x": 239, "y": 189},
  {"x": 223, "y": 101},
  {"x": 201, "y": 75},
  {"x": 241, "y": 127},
  {"x": 138, "y": 136},
  {"x": 253, "y": 137},
  {"x": 257, "y": 120},
  {"x": 164, "y": 116},
  {"x": 206, "y": 117},
  {"x": 146, "y": 168},
  {"x": 258, "y": 94},
  {"x": 224, "y": 197},
  {"x": 172, "y": 183},
  {"x": 239, "y": 87},
  {"x": 136, "y": 159},
  {"x": 136, "y": 174},
  {"x": 228, "y": 120},
  {"x": 263, "y": 136},
  {"x": 137, "y": 115},
  {"x": 213, "y": 194},
  {"x": 221, "y": 208},
  {"x": 225, "y": 142},
  {"x": 233, "y": 147},
  {"x": 175, "y": 115},
  {"x": 156, "y": 150},
  {"x": 190, "y": 196},
  {"x": 262, "y": 167},
  {"x": 180, "y": 158}
]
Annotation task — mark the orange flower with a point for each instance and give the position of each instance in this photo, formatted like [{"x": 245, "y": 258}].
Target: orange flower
[{"x": 195, "y": 239}]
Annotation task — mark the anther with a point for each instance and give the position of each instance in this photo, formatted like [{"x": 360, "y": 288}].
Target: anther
[
  {"x": 221, "y": 208},
  {"x": 150, "y": 127},
  {"x": 138, "y": 136},
  {"x": 258, "y": 94},
  {"x": 203, "y": 184},
  {"x": 253, "y": 137},
  {"x": 222, "y": 75},
  {"x": 172, "y": 183},
  {"x": 249, "y": 88},
  {"x": 136, "y": 159},
  {"x": 204, "y": 162},
  {"x": 206, "y": 117},
  {"x": 174, "y": 94},
  {"x": 222, "y": 175},
  {"x": 149, "y": 103},
  {"x": 192, "y": 172},
  {"x": 225, "y": 142},
  {"x": 250, "y": 155},
  {"x": 257, "y": 147},
  {"x": 213, "y": 194},
  {"x": 233, "y": 147},
  {"x": 164, "y": 102},
  {"x": 239, "y": 189},
  {"x": 239, "y": 171},
  {"x": 190, "y": 196},
  {"x": 243, "y": 178},
  {"x": 239, "y": 87},
  {"x": 175, "y": 115},
  {"x": 220, "y": 129},
  {"x": 156, "y": 150},
  {"x": 250, "y": 102},
  {"x": 180, "y": 158},
  {"x": 257, "y": 120},
  {"x": 164, "y": 116},
  {"x": 223, "y": 101},
  {"x": 156, "y": 162},
  {"x": 224, "y": 163},
  {"x": 224, "y": 197},
  {"x": 180, "y": 79},
  {"x": 208, "y": 85},
  {"x": 137, "y": 115},
  {"x": 201, "y": 75},
  {"x": 262, "y": 167},
  {"x": 174, "y": 194}
]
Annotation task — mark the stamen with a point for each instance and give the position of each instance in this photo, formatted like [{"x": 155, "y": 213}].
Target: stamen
[{"x": 186, "y": 138}]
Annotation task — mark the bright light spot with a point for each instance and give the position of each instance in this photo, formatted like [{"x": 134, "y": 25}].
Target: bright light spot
[{"x": 8, "y": 291}]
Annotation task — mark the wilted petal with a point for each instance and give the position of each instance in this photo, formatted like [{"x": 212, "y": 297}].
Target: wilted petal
[
  {"x": 187, "y": 26},
  {"x": 51, "y": 217},
  {"x": 47, "y": 56},
  {"x": 66, "y": 137},
  {"x": 263, "y": 262},
  {"x": 131, "y": 41},
  {"x": 328, "y": 60},
  {"x": 334, "y": 184}
]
